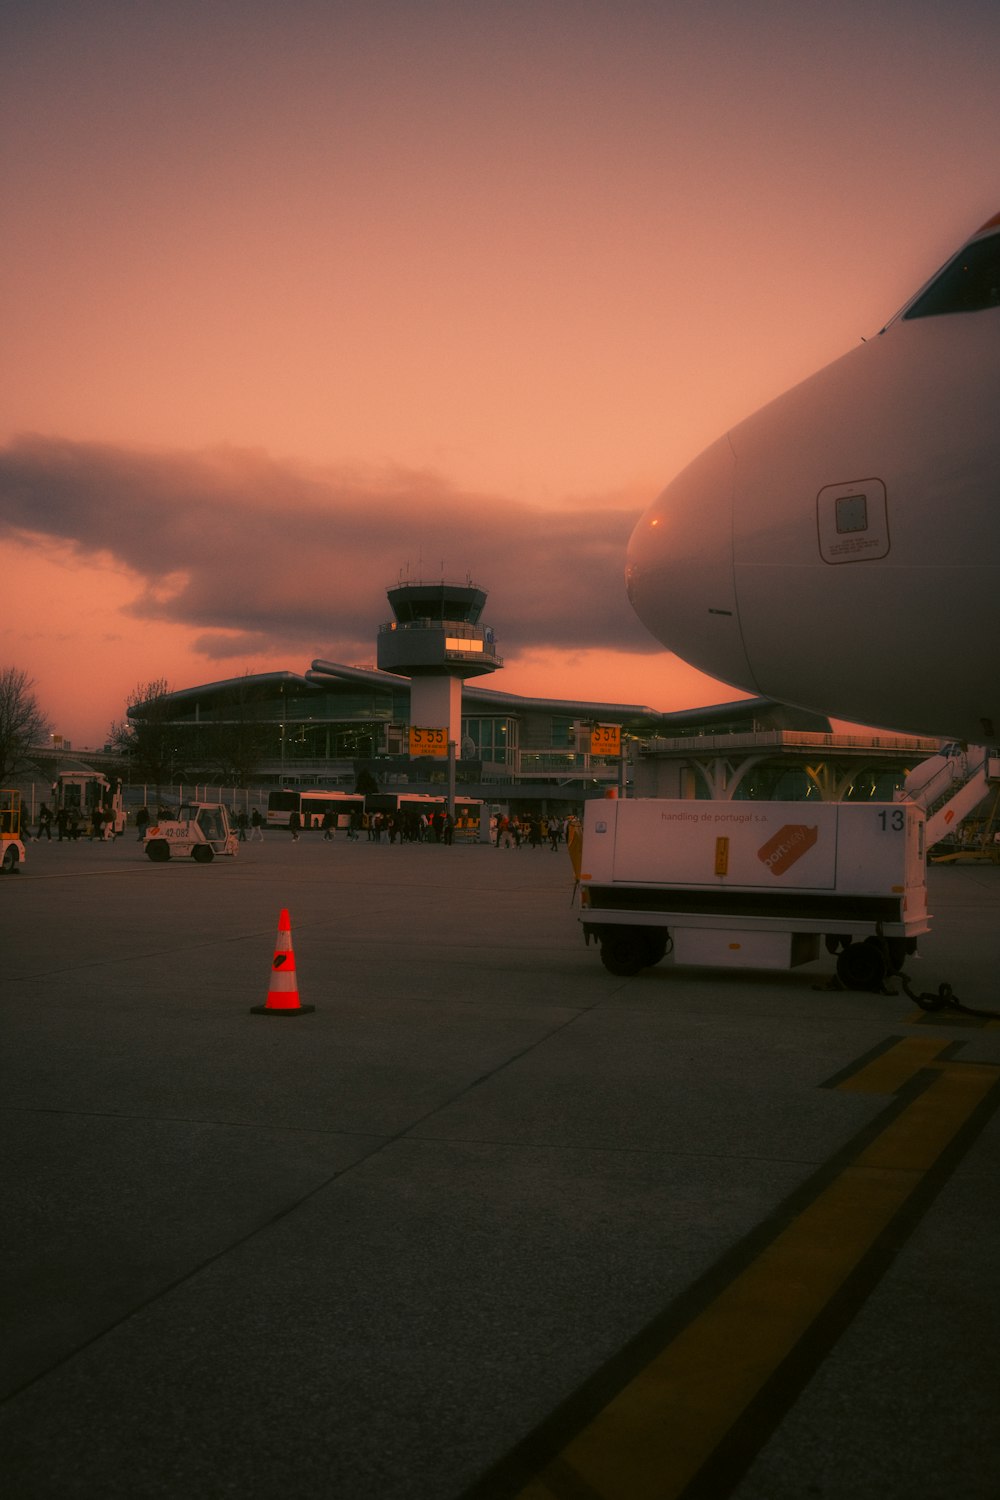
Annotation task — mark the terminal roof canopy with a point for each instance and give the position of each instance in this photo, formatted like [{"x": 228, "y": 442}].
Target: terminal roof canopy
[{"x": 267, "y": 690}]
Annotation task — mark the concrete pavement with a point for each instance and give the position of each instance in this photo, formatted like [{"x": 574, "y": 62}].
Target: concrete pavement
[{"x": 444, "y": 1235}]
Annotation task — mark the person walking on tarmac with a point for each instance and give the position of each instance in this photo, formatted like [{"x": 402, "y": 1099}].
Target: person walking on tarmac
[
  {"x": 256, "y": 830},
  {"x": 45, "y": 821},
  {"x": 142, "y": 823},
  {"x": 329, "y": 821},
  {"x": 295, "y": 823}
]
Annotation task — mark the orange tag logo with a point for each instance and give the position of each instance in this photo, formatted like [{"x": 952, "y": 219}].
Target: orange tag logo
[{"x": 787, "y": 845}]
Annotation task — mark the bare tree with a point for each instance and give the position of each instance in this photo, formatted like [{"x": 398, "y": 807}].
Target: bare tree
[
  {"x": 148, "y": 738},
  {"x": 22, "y": 723}
]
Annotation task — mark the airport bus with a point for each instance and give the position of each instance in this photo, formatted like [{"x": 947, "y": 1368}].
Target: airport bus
[
  {"x": 467, "y": 809},
  {"x": 81, "y": 793},
  {"x": 312, "y": 806}
]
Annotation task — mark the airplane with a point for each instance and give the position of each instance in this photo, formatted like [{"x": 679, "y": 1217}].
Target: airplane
[{"x": 840, "y": 549}]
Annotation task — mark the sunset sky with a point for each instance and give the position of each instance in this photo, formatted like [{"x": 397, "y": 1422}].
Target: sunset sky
[{"x": 299, "y": 297}]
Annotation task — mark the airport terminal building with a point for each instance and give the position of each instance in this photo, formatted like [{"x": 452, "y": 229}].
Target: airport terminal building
[{"x": 327, "y": 726}]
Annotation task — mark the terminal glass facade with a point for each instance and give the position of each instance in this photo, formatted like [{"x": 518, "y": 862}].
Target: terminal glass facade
[{"x": 495, "y": 739}]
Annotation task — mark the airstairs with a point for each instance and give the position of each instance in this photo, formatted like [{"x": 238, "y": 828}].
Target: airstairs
[{"x": 950, "y": 786}]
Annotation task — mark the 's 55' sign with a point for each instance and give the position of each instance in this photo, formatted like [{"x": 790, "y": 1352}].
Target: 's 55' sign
[{"x": 428, "y": 741}]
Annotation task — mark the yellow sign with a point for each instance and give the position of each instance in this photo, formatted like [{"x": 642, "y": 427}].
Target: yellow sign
[
  {"x": 428, "y": 741},
  {"x": 606, "y": 739}
]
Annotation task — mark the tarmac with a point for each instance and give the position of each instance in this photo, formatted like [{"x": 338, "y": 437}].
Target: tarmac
[{"x": 488, "y": 1221}]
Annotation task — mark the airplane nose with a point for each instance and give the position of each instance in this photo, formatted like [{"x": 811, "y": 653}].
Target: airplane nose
[{"x": 679, "y": 569}]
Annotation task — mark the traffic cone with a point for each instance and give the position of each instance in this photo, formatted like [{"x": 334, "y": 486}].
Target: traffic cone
[{"x": 283, "y": 991}]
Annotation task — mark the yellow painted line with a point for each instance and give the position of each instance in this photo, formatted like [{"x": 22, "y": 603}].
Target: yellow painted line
[
  {"x": 650, "y": 1440},
  {"x": 888, "y": 1073},
  {"x": 948, "y": 1017}
]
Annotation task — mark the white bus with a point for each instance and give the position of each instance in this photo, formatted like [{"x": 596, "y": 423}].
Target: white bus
[
  {"x": 84, "y": 792},
  {"x": 467, "y": 809},
  {"x": 312, "y": 806}
]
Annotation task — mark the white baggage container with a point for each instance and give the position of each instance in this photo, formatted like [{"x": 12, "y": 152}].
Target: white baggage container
[{"x": 754, "y": 884}]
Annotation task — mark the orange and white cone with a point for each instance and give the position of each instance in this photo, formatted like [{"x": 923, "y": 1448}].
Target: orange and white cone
[{"x": 283, "y": 991}]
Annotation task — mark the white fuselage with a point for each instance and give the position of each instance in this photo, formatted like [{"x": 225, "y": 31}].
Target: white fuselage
[{"x": 840, "y": 550}]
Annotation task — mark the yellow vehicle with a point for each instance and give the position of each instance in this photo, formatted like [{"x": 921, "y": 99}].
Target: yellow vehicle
[
  {"x": 200, "y": 829},
  {"x": 11, "y": 847}
]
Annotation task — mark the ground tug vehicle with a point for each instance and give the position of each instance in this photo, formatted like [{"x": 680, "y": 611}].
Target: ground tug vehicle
[
  {"x": 200, "y": 829},
  {"x": 754, "y": 884},
  {"x": 11, "y": 847}
]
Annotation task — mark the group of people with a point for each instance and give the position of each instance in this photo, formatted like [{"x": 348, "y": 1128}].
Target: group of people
[
  {"x": 331, "y": 822},
  {"x": 249, "y": 826},
  {"x": 404, "y": 826},
  {"x": 72, "y": 822},
  {"x": 514, "y": 831},
  {"x": 407, "y": 826},
  {"x": 411, "y": 826}
]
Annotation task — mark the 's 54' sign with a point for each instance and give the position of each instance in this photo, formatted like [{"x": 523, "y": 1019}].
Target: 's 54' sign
[{"x": 606, "y": 739}]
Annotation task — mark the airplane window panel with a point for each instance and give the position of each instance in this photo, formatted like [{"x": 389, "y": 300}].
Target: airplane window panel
[
  {"x": 970, "y": 284},
  {"x": 851, "y": 513},
  {"x": 853, "y": 523}
]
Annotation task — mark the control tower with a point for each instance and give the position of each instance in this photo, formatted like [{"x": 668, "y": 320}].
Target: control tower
[{"x": 437, "y": 641}]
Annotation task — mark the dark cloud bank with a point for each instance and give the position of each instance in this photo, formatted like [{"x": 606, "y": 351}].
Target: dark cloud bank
[{"x": 262, "y": 555}]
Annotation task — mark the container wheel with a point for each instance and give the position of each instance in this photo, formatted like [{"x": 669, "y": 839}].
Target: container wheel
[
  {"x": 203, "y": 853},
  {"x": 625, "y": 953},
  {"x": 657, "y": 942},
  {"x": 864, "y": 966},
  {"x": 10, "y": 860},
  {"x": 157, "y": 850}
]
